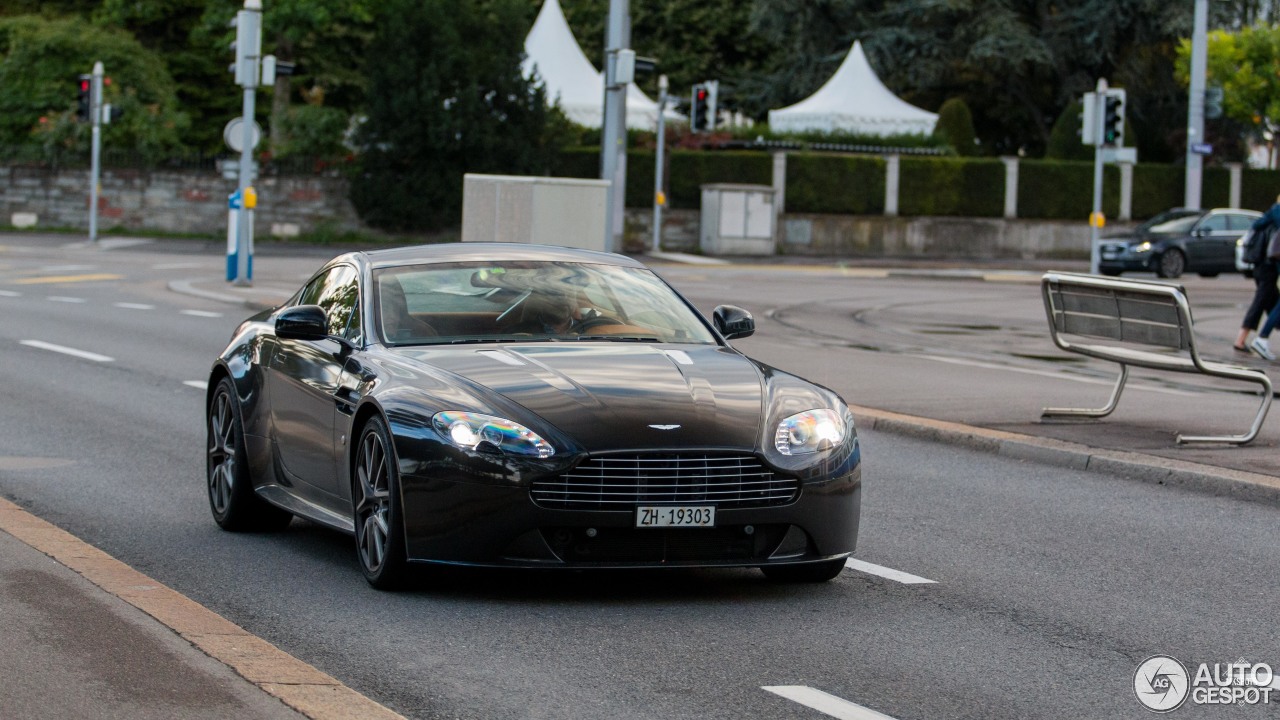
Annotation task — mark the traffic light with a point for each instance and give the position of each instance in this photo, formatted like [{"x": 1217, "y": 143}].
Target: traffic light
[
  {"x": 1213, "y": 97},
  {"x": 713, "y": 94},
  {"x": 698, "y": 115},
  {"x": 84, "y": 98},
  {"x": 1113, "y": 119}
]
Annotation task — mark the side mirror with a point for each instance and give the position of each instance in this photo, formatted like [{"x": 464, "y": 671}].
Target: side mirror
[
  {"x": 304, "y": 322},
  {"x": 733, "y": 322}
]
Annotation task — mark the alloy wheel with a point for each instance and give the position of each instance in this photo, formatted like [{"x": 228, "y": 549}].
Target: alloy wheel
[
  {"x": 222, "y": 454},
  {"x": 373, "y": 508}
]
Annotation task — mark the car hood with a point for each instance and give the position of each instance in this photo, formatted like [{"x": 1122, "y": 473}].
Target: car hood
[{"x": 618, "y": 395}]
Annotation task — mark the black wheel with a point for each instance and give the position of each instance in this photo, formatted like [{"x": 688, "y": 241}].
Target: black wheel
[
  {"x": 1109, "y": 273},
  {"x": 234, "y": 504},
  {"x": 1171, "y": 264},
  {"x": 814, "y": 572},
  {"x": 375, "y": 495}
]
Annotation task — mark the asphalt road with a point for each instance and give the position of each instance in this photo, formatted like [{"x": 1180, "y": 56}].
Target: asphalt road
[{"x": 1050, "y": 585}]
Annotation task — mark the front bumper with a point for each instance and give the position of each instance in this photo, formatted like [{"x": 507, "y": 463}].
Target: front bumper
[
  {"x": 463, "y": 522},
  {"x": 1123, "y": 257}
]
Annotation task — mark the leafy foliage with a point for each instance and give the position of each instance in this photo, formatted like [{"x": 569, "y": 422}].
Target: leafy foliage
[
  {"x": 955, "y": 127},
  {"x": 40, "y": 61},
  {"x": 446, "y": 97}
]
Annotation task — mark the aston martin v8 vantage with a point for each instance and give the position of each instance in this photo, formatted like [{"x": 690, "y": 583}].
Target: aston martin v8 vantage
[{"x": 512, "y": 405}]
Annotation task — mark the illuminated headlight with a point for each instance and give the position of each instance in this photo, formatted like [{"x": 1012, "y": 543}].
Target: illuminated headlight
[
  {"x": 1142, "y": 247},
  {"x": 809, "y": 432},
  {"x": 471, "y": 430}
]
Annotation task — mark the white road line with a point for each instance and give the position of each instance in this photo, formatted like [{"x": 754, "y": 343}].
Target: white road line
[
  {"x": 888, "y": 573},
  {"x": 197, "y": 384},
  {"x": 9, "y": 293},
  {"x": 201, "y": 313},
  {"x": 1051, "y": 374},
  {"x": 83, "y": 354},
  {"x": 825, "y": 703},
  {"x": 135, "y": 306},
  {"x": 64, "y": 299},
  {"x": 1275, "y": 683}
]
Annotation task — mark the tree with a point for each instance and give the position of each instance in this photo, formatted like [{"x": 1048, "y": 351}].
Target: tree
[
  {"x": 446, "y": 96},
  {"x": 1064, "y": 139},
  {"x": 1246, "y": 64},
  {"x": 40, "y": 60}
]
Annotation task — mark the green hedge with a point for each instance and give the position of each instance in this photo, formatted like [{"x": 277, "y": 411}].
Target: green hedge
[
  {"x": 966, "y": 187},
  {"x": 951, "y": 186},
  {"x": 836, "y": 184}
]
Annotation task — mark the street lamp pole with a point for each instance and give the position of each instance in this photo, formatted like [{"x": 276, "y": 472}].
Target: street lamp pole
[
  {"x": 1195, "y": 104},
  {"x": 613, "y": 142},
  {"x": 659, "y": 197}
]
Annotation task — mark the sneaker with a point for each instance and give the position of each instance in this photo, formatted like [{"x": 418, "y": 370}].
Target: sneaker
[{"x": 1262, "y": 347}]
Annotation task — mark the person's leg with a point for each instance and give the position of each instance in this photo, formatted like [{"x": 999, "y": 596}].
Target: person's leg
[{"x": 1264, "y": 299}]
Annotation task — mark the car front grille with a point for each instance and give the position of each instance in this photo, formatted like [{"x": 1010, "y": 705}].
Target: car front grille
[{"x": 619, "y": 482}]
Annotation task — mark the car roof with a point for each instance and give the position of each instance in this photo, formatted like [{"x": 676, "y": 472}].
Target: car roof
[{"x": 490, "y": 252}]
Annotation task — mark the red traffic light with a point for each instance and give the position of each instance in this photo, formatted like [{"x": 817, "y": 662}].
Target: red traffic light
[{"x": 84, "y": 86}]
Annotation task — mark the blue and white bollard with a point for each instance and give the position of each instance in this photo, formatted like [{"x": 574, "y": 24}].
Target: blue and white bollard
[{"x": 233, "y": 231}]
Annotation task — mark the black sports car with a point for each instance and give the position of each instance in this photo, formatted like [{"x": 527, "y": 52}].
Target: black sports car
[
  {"x": 1178, "y": 241},
  {"x": 526, "y": 406}
]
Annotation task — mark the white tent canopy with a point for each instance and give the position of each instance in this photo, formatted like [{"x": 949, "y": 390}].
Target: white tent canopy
[
  {"x": 572, "y": 81},
  {"x": 853, "y": 100}
]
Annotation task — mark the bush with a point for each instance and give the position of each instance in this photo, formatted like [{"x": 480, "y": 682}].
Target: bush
[
  {"x": 1259, "y": 189},
  {"x": 950, "y": 186},
  {"x": 835, "y": 184},
  {"x": 315, "y": 131},
  {"x": 955, "y": 127},
  {"x": 1063, "y": 190},
  {"x": 690, "y": 170}
]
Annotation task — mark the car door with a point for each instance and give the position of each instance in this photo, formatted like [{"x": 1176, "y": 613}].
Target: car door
[
  {"x": 305, "y": 379},
  {"x": 1211, "y": 247}
]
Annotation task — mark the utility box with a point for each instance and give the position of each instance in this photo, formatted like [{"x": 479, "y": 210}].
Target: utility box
[
  {"x": 539, "y": 210},
  {"x": 738, "y": 220}
]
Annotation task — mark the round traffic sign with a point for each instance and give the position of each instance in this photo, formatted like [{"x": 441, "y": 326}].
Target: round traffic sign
[{"x": 233, "y": 133}]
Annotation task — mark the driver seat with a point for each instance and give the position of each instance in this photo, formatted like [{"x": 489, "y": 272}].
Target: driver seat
[{"x": 398, "y": 324}]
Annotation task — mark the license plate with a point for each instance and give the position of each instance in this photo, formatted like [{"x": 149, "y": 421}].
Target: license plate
[
  {"x": 676, "y": 516},
  {"x": 1110, "y": 255}
]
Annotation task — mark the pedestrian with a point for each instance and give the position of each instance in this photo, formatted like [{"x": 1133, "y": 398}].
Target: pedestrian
[{"x": 1265, "y": 294}]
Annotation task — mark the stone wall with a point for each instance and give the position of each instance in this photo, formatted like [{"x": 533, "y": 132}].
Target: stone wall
[
  {"x": 878, "y": 236},
  {"x": 170, "y": 201}
]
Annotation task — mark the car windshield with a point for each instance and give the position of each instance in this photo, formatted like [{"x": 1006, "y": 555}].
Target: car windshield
[
  {"x": 1171, "y": 221},
  {"x": 454, "y": 303}
]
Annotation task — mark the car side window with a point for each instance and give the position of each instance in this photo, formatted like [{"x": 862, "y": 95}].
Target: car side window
[
  {"x": 1214, "y": 223},
  {"x": 1239, "y": 222},
  {"x": 337, "y": 292}
]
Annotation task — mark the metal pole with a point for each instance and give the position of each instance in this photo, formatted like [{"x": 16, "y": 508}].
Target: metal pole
[
  {"x": 613, "y": 142},
  {"x": 1195, "y": 103},
  {"x": 244, "y": 239},
  {"x": 659, "y": 199},
  {"x": 95, "y": 154},
  {"x": 1100, "y": 108}
]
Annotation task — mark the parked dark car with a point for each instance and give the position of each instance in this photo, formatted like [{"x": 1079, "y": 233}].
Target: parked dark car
[
  {"x": 1178, "y": 241},
  {"x": 526, "y": 406}
]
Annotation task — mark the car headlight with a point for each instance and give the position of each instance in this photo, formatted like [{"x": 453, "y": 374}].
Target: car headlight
[
  {"x": 1142, "y": 247},
  {"x": 809, "y": 432},
  {"x": 470, "y": 431}
]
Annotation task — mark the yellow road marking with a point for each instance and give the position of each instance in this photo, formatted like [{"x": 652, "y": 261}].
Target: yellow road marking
[
  {"x": 53, "y": 279},
  {"x": 297, "y": 684}
]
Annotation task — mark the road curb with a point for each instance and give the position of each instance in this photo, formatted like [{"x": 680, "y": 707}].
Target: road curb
[
  {"x": 277, "y": 673},
  {"x": 1239, "y": 484}
]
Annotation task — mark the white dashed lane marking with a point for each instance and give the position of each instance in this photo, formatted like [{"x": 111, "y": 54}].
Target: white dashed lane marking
[
  {"x": 64, "y": 299},
  {"x": 197, "y": 384},
  {"x": 9, "y": 293},
  {"x": 82, "y": 354},
  {"x": 825, "y": 703},
  {"x": 201, "y": 313},
  {"x": 887, "y": 573},
  {"x": 135, "y": 306}
]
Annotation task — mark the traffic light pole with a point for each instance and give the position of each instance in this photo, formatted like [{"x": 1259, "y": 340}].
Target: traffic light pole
[
  {"x": 248, "y": 32},
  {"x": 1095, "y": 218},
  {"x": 95, "y": 153},
  {"x": 659, "y": 197}
]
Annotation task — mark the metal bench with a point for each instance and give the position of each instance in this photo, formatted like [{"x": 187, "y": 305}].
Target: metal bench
[{"x": 1124, "y": 321}]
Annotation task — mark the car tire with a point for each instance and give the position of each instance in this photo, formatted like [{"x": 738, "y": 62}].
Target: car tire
[
  {"x": 375, "y": 502},
  {"x": 814, "y": 572},
  {"x": 235, "y": 505},
  {"x": 1171, "y": 264}
]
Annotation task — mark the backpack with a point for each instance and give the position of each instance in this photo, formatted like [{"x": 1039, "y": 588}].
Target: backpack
[{"x": 1256, "y": 245}]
